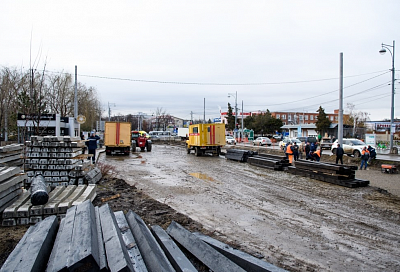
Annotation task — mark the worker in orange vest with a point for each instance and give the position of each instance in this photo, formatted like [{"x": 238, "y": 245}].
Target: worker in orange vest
[
  {"x": 289, "y": 152},
  {"x": 364, "y": 158},
  {"x": 317, "y": 155}
]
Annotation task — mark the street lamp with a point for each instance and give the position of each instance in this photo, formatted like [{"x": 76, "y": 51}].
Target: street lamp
[
  {"x": 392, "y": 130},
  {"x": 109, "y": 110},
  {"x": 235, "y": 95}
]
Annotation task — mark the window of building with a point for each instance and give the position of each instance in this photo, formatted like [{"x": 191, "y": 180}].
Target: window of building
[
  {"x": 336, "y": 118},
  {"x": 331, "y": 118},
  {"x": 306, "y": 117},
  {"x": 283, "y": 116},
  {"x": 278, "y": 116},
  {"x": 311, "y": 117}
]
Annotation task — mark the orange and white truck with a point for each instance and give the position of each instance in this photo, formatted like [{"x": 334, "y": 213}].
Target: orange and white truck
[
  {"x": 117, "y": 138},
  {"x": 206, "y": 138}
]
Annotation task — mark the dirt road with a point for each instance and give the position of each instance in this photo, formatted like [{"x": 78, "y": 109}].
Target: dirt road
[{"x": 296, "y": 223}]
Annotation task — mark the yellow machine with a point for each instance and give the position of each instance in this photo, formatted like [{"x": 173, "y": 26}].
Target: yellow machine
[
  {"x": 117, "y": 138},
  {"x": 206, "y": 138}
]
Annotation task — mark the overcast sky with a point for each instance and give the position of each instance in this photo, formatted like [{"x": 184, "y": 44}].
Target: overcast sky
[{"x": 277, "y": 55}]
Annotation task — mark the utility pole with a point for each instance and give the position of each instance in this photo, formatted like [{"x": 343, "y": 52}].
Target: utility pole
[
  {"x": 109, "y": 110},
  {"x": 76, "y": 93},
  {"x": 242, "y": 123},
  {"x": 340, "y": 125},
  {"x": 204, "y": 115}
]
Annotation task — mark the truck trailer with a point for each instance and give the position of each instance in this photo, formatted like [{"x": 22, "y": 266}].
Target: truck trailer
[
  {"x": 206, "y": 138},
  {"x": 117, "y": 138}
]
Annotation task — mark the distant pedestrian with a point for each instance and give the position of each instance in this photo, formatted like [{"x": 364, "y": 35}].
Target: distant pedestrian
[
  {"x": 339, "y": 154},
  {"x": 307, "y": 150},
  {"x": 82, "y": 139},
  {"x": 364, "y": 158},
  {"x": 372, "y": 154},
  {"x": 92, "y": 145},
  {"x": 295, "y": 151},
  {"x": 313, "y": 147}
]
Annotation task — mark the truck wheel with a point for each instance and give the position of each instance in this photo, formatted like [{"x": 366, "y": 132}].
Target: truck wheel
[
  {"x": 334, "y": 151},
  {"x": 188, "y": 150},
  {"x": 148, "y": 147},
  {"x": 197, "y": 151},
  {"x": 218, "y": 151}
]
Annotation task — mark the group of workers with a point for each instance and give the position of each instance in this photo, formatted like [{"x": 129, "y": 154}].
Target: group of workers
[
  {"x": 293, "y": 151},
  {"x": 313, "y": 153}
]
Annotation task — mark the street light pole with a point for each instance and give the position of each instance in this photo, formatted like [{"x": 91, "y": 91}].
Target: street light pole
[
  {"x": 109, "y": 110},
  {"x": 235, "y": 94},
  {"x": 392, "y": 129}
]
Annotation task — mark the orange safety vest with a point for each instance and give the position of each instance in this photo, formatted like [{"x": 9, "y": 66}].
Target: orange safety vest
[
  {"x": 363, "y": 152},
  {"x": 318, "y": 152},
  {"x": 288, "y": 149}
]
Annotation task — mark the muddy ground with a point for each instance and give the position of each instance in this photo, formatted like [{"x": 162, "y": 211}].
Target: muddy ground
[{"x": 293, "y": 222}]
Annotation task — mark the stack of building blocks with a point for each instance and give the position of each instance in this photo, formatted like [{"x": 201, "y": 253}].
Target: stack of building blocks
[
  {"x": 11, "y": 183},
  {"x": 11, "y": 155},
  {"x": 58, "y": 158}
]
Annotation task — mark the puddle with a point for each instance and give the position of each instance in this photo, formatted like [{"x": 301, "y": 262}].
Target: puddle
[{"x": 202, "y": 176}]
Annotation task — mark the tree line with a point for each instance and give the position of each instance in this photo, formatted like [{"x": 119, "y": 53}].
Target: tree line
[{"x": 34, "y": 93}]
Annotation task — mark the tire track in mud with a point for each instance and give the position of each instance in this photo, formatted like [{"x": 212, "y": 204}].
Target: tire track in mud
[{"x": 296, "y": 223}]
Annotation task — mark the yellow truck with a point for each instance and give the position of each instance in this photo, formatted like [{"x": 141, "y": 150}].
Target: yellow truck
[
  {"x": 117, "y": 138},
  {"x": 206, "y": 138}
]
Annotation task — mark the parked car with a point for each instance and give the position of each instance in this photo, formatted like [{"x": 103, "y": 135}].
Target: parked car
[
  {"x": 351, "y": 146},
  {"x": 326, "y": 143},
  {"x": 277, "y": 137},
  {"x": 230, "y": 140},
  {"x": 307, "y": 139},
  {"x": 284, "y": 142},
  {"x": 262, "y": 141}
]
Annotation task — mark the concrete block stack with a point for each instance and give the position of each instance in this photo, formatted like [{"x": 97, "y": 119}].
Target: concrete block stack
[
  {"x": 11, "y": 155},
  {"x": 11, "y": 184},
  {"x": 97, "y": 239},
  {"x": 58, "y": 159},
  {"x": 22, "y": 212}
]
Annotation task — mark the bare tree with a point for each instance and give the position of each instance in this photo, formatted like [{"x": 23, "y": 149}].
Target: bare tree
[{"x": 355, "y": 118}]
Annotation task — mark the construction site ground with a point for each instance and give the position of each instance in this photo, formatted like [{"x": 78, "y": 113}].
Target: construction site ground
[{"x": 293, "y": 222}]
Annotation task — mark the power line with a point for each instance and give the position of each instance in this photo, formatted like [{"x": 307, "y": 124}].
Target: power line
[{"x": 216, "y": 83}]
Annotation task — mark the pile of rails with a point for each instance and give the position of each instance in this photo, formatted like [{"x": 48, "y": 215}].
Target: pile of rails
[
  {"x": 58, "y": 159},
  {"x": 275, "y": 162},
  {"x": 11, "y": 155},
  {"x": 22, "y": 212},
  {"x": 239, "y": 155},
  {"x": 11, "y": 184},
  {"x": 98, "y": 239},
  {"x": 343, "y": 175}
]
